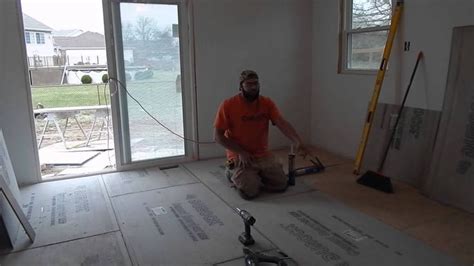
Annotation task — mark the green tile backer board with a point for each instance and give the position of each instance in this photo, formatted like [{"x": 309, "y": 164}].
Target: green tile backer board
[
  {"x": 316, "y": 230},
  {"x": 66, "y": 210},
  {"x": 146, "y": 179},
  {"x": 211, "y": 173},
  {"x": 106, "y": 249},
  {"x": 180, "y": 225}
]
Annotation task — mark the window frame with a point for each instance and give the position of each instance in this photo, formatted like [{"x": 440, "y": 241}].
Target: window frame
[
  {"x": 28, "y": 39},
  {"x": 345, "y": 41},
  {"x": 38, "y": 38}
]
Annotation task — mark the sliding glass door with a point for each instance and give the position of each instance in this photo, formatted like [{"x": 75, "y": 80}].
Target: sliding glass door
[{"x": 151, "y": 86}]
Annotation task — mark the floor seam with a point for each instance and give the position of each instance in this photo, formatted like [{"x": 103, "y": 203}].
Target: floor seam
[
  {"x": 60, "y": 242},
  {"x": 153, "y": 189},
  {"x": 243, "y": 256},
  {"x": 228, "y": 204},
  {"x": 116, "y": 219}
]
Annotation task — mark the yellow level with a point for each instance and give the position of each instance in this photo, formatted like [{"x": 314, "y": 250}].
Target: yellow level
[{"x": 378, "y": 85}]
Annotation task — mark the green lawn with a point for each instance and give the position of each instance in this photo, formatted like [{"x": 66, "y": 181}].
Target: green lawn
[
  {"x": 158, "y": 95},
  {"x": 162, "y": 84},
  {"x": 69, "y": 95}
]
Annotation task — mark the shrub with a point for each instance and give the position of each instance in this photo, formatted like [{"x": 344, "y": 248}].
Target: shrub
[
  {"x": 86, "y": 79},
  {"x": 105, "y": 78},
  {"x": 128, "y": 76},
  {"x": 140, "y": 75}
]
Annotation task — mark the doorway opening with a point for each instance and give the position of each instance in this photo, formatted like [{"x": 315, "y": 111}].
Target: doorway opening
[{"x": 68, "y": 75}]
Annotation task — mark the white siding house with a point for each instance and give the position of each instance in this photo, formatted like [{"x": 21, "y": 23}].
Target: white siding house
[
  {"x": 87, "y": 48},
  {"x": 38, "y": 38}
]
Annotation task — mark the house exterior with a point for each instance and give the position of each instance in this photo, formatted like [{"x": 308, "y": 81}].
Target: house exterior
[
  {"x": 47, "y": 47},
  {"x": 84, "y": 54},
  {"x": 87, "y": 48},
  {"x": 38, "y": 38},
  {"x": 57, "y": 56},
  {"x": 67, "y": 33}
]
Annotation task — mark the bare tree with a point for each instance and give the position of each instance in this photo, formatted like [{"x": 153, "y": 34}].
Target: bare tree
[
  {"x": 128, "y": 33},
  {"x": 371, "y": 13},
  {"x": 145, "y": 28}
]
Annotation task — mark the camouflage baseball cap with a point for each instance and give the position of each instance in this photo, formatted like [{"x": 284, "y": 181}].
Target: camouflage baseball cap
[{"x": 248, "y": 74}]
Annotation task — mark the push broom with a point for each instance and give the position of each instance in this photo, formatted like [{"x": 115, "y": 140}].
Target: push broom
[{"x": 376, "y": 179}]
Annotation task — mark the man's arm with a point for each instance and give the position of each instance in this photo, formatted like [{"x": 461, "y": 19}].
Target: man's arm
[
  {"x": 229, "y": 144},
  {"x": 244, "y": 157},
  {"x": 289, "y": 131}
]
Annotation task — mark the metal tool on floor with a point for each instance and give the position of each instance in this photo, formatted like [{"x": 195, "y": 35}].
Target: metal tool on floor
[
  {"x": 294, "y": 172},
  {"x": 376, "y": 179},
  {"x": 246, "y": 238},
  {"x": 378, "y": 85},
  {"x": 253, "y": 258}
]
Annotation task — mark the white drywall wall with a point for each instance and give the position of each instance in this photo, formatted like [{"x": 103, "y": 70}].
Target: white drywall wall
[
  {"x": 275, "y": 38},
  {"x": 428, "y": 25},
  {"x": 272, "y": 37},
  {"x": 339, "y": 101},
  {"x": 15, "y": 104}
]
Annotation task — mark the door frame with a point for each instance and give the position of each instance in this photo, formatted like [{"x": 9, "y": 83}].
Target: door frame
[{"x": 115, "y": 62}]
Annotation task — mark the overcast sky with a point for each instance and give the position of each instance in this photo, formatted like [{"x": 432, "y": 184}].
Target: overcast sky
[
  {"x": 66, "y": 14},
  {"x": 87, "y": 14}
]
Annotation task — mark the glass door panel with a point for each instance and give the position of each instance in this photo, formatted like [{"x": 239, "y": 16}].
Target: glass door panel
[{"x": 151, "y": 62}]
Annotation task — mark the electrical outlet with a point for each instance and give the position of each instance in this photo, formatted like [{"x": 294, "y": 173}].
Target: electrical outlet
[{"x": 406, "y": 46}]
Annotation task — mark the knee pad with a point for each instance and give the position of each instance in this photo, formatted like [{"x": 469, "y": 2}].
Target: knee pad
[{"x": 246, "y": 195}]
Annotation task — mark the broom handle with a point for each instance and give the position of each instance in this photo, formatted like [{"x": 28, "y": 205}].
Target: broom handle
[{"x": 420, "y": 55}]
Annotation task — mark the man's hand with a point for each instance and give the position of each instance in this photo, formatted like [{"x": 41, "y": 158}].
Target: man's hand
[
  {"x": 245, "y": 160},
  {"x": 302, "y": 150},
  {"x": 287, "y": 129}
]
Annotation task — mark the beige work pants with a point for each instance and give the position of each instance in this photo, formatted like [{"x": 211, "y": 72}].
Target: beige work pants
[{"x": 264, "y": 173}]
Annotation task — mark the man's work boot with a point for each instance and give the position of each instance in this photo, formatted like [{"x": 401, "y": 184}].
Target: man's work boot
[
  {"x": 245, "y": 196},
  {"x": 229, "y": 170}
]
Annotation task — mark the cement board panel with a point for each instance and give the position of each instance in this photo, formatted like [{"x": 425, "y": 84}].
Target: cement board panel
[
  {"x": 211, "y": 173},
  {"x": 106, "y": 249},
  {"x": 450, "y": 178},
  {"x": 66, "y": 158},
  {"x": 316, "y": 230},
  {"x": 66, "y": 210},
  {"x": 10, "y": 224},
  {"x": 409, "y": 154},
  {"x": 146, "y": 179},
  {"x": 181, "y": 225},
  {"x": 274, "y": 253}
]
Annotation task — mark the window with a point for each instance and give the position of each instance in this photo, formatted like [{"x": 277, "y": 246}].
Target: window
[
  {"x": 40, "y": 38},
  {"x": 365, "y": 25},
  {"x": 27, "y": 37}
]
